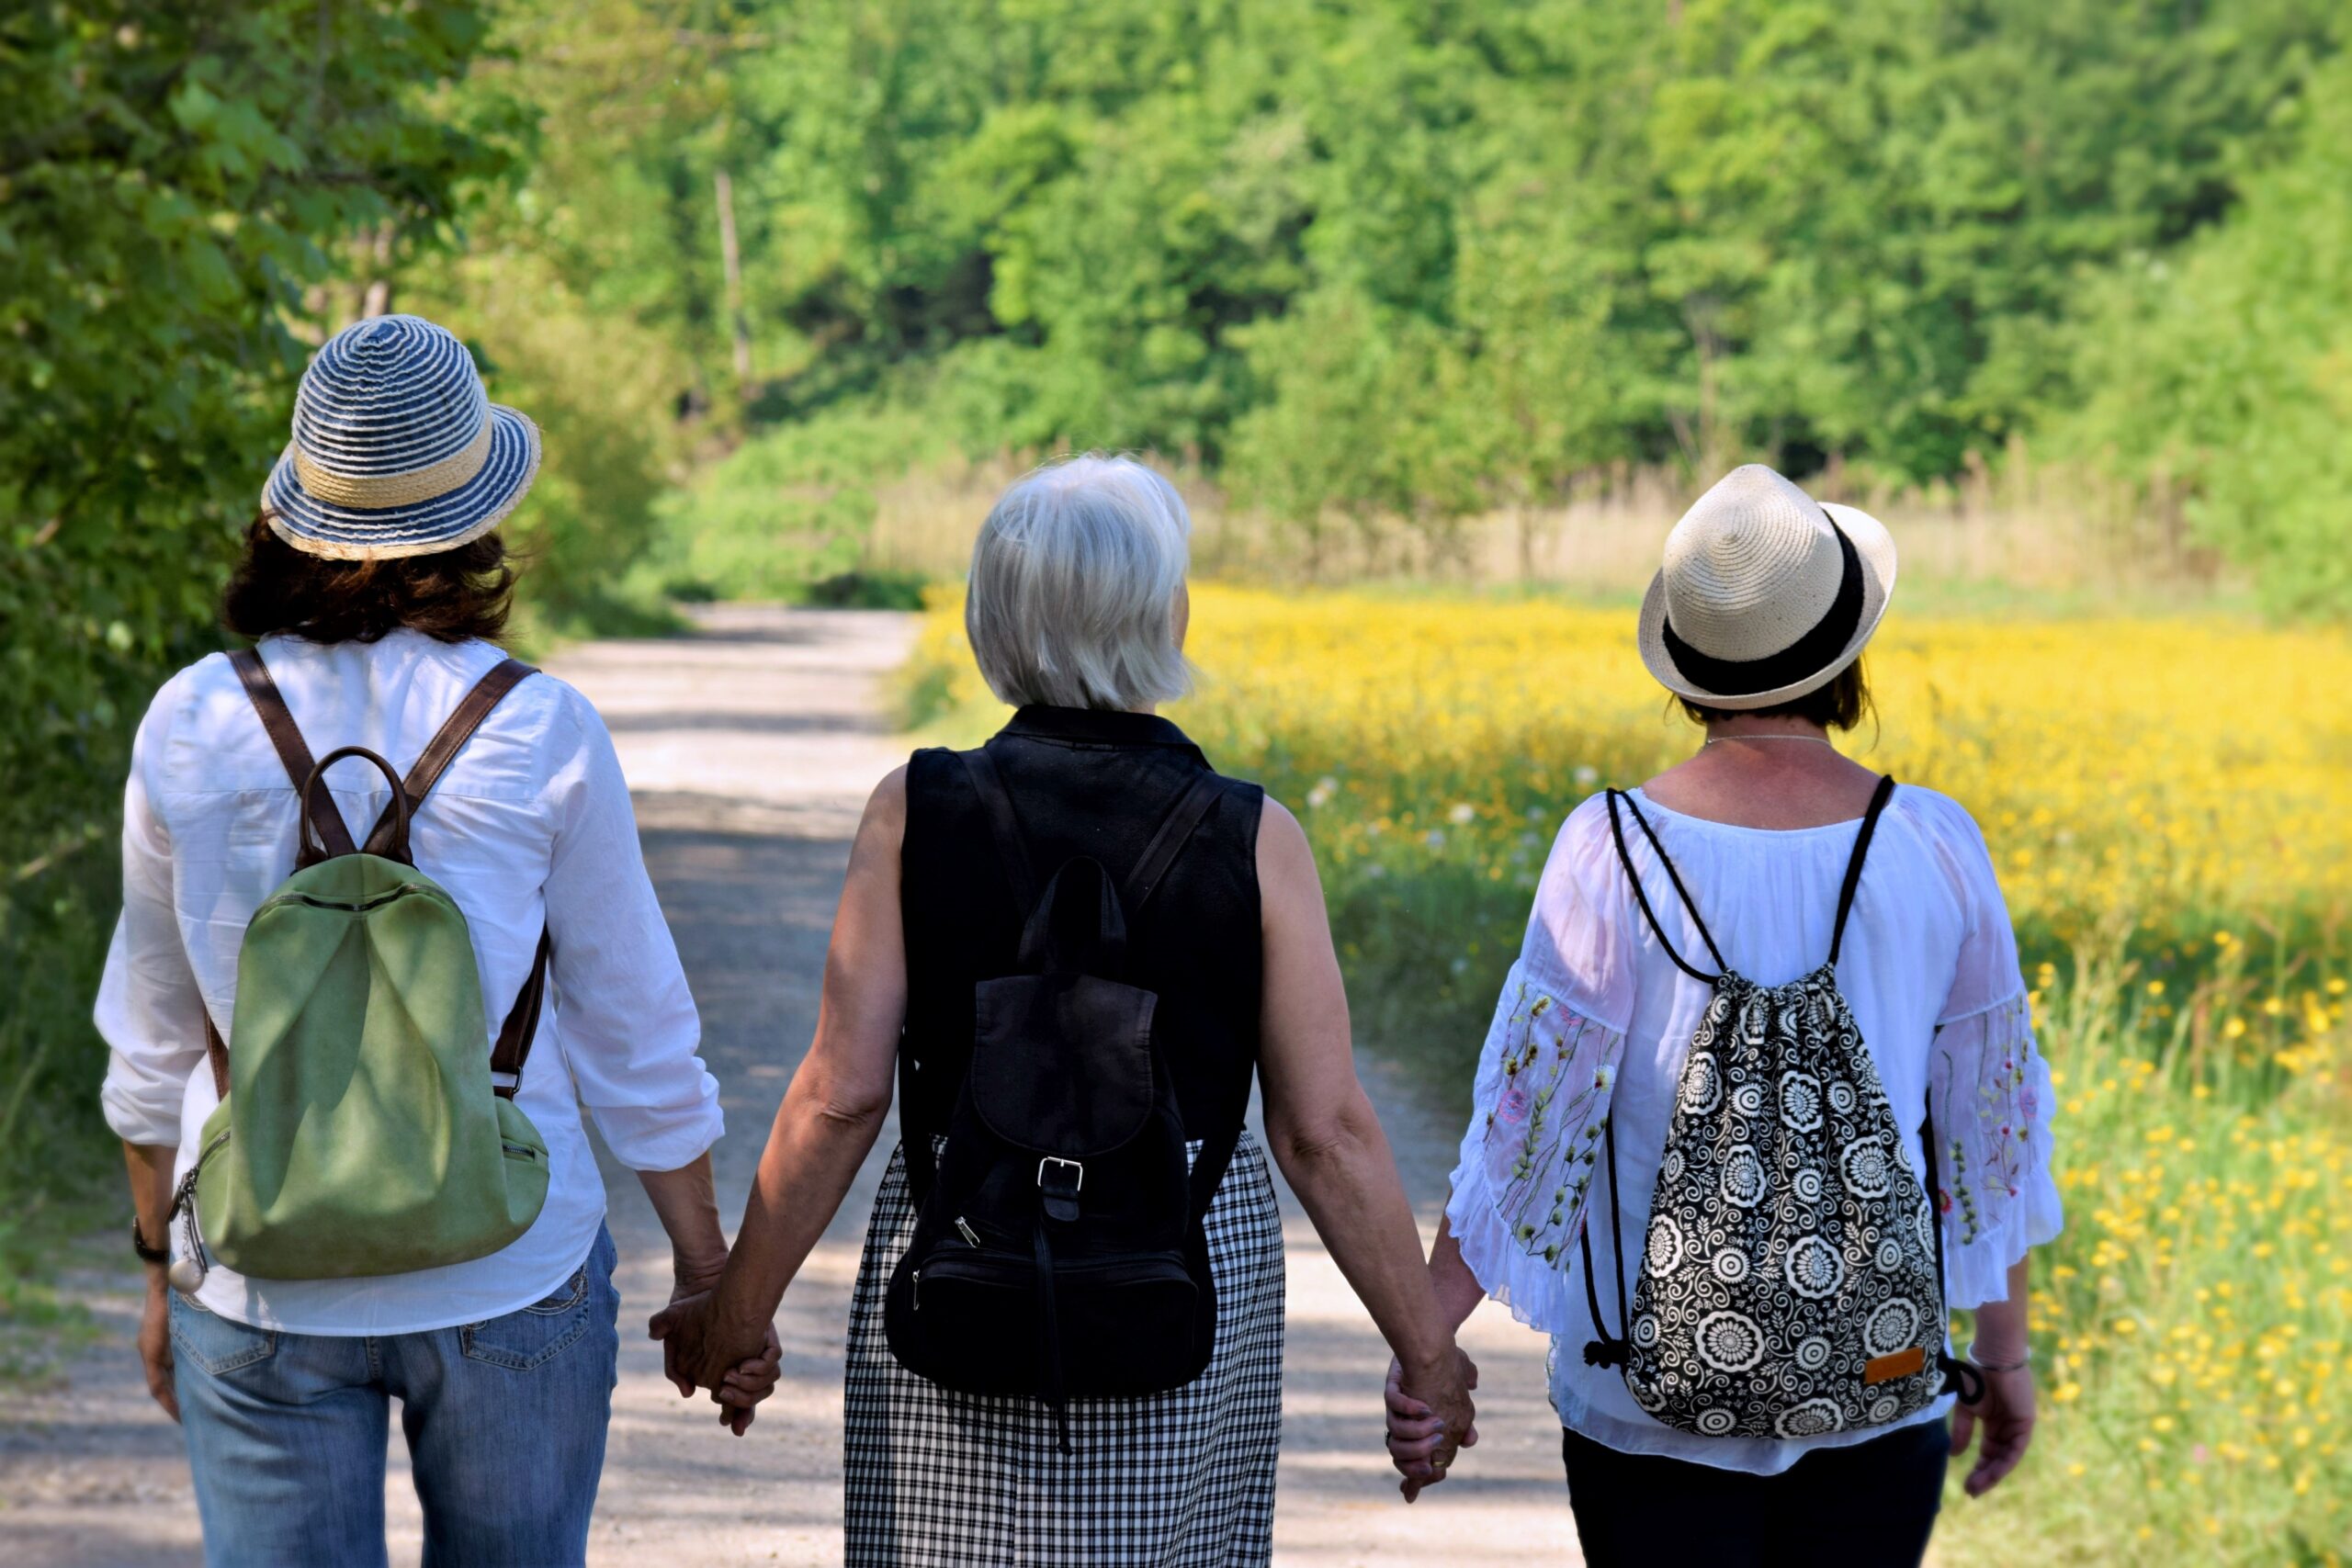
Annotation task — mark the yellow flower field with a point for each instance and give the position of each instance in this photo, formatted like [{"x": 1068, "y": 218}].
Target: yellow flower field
[{"x": 2169, "y": 802}]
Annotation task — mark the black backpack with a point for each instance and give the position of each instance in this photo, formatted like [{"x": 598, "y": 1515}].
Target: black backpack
[{"x": 1058, "y": 1249}]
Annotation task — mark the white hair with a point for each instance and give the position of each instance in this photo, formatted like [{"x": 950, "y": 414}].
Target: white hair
[{"x": 1072, "y": 597}]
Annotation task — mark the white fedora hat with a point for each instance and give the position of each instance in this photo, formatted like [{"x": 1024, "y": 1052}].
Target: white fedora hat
[
  {"x": 397, "y": 449},
  {"x": 1766, "y": 593}
]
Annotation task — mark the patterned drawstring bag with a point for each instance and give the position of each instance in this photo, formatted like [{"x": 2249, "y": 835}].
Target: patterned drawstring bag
[{"x": 1791, "y": 1274}]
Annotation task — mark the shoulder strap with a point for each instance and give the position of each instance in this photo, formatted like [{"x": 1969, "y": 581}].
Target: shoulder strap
[
  {"x": 521, "y": 1025},
  {"x": 1005, "y": 826},
  {"x": 1175, "y": 831},
  {"x": 1617, "y": 829},
  {"x": 449, "y": 739},
  {"x": 1879, "y": 797},
  {"x": 277, "y": 722},
  {"x": 1209, "y": 1167}
]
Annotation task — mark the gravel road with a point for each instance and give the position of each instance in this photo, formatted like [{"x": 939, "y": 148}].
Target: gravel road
[{"x": 751, "y": 746}]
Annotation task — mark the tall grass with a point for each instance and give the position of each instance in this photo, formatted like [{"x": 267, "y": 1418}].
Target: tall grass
[{"x": 2045, "y": 529}]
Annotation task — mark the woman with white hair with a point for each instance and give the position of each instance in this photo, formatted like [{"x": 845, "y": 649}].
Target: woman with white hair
[{"x": 1066, "y": 1340}]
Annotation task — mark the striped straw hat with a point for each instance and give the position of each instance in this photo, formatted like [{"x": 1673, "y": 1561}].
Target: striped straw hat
[
  {"x": 1765, "y": 594},
  {"x": 397, "y": 449}
]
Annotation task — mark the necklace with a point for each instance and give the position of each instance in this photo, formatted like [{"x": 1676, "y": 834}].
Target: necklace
[{"x": 1815, "y": 739}]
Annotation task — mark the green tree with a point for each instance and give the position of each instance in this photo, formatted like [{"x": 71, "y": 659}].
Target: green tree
[{"x": 2227, "y": 367}]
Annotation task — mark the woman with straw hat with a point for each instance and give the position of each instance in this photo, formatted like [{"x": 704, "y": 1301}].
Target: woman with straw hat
[
  {"x": 374, "y": 588},
  {"x": 1768, "y": 1025}
]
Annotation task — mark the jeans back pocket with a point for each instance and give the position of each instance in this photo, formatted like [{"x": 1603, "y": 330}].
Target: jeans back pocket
[
  {"x": 531, "y": 1335},
  {"x": 218, "y": 1345}
]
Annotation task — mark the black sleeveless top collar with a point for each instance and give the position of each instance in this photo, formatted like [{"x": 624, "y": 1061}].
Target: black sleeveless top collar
[{"x": 1098, "y": 727}]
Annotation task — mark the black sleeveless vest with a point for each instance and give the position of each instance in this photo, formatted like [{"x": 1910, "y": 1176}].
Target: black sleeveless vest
[{"x": 1098, "y": 784}]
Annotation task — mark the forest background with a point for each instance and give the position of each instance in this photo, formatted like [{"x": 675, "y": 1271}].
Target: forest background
[{"x": 1473, "y": 294}]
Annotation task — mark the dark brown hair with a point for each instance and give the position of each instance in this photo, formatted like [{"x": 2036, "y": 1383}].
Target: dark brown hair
[
  {"x": 1842, "y": 704},
  {"x": 450, "y": 595}
]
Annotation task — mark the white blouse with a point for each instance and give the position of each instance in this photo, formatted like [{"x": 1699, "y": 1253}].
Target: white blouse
[
  {"x": 1596, "y": 1019},
  {"x": 532, "y": 822}
]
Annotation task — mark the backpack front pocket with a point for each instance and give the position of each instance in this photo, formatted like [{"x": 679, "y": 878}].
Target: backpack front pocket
[{"x": 975, "y": 1313}]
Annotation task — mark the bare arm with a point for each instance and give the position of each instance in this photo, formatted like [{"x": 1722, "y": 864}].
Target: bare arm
[
  {"x": 1458, "y": 1290},
  {"x": 830, "y": 1115},
  {"x": 687, "y": 1204},
  {"x": 151, "y": 1200},
  {"x": 2006, "y": 1416},
  {"x": 1324, "y": 1134}
]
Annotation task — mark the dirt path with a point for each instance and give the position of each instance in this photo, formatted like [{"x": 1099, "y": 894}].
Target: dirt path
[{"x": 750, "y": 747}]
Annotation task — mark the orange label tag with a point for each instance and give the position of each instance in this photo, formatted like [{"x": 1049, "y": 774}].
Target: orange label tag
[{"x": 1901, "y": 1364}]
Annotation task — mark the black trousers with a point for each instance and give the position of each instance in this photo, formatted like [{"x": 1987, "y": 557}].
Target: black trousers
[{"x": 1871, "y": 1506}]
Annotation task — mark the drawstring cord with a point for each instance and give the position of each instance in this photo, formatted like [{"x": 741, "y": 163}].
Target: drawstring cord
[{"x": 1606, "y": 1351}]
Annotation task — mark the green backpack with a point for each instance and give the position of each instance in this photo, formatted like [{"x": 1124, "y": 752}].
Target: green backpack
[{"x": 364, "y": 1129}]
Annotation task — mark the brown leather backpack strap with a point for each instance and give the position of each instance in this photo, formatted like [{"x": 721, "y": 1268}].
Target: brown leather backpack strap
[
  {"x": 521, "y": 1025},
  {"x": 448, "y": 741},
  {"x": 216, "y": 1052},
  {"x": 522, "y": 1021},
  {"x": 277, "y": 722}
]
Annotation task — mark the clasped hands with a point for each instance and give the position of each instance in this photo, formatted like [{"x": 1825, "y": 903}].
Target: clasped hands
[
  {"x": 739, "y": 1365},
  {"x": 1431, "y": 1418},
  {"x": 1430, "y": 1415}
]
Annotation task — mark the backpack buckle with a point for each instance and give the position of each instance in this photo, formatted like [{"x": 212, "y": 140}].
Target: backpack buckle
[{"x": 1060, "y": 1182}]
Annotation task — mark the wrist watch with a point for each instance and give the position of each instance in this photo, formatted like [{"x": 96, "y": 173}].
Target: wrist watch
[{"x": 147, "y": 1254}]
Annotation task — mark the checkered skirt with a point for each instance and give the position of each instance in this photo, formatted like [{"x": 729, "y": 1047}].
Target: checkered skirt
[{"x": 1178, "y": 1480}]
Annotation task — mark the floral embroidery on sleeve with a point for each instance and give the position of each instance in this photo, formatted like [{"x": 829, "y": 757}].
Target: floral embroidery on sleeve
[
  {"x": 1992, "y": 1137},
  {"x": 1542, "y": 1130}
]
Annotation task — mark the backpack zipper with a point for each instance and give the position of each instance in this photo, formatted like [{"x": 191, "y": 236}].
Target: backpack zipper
[{"x": 187, "y": 1274}]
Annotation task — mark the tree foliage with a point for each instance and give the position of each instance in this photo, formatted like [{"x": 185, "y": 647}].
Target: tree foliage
[
  {"x": 176, "y": 183},
  {"x": 2226, "y": 366},
  {"x": 1384, "y": 258}
]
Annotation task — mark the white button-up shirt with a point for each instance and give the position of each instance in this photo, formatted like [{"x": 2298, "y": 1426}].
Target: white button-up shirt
[{"x": 531, "y": 823}]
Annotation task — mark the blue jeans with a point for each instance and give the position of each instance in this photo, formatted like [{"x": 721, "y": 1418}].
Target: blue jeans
[{"x": 505, "y": 1425}]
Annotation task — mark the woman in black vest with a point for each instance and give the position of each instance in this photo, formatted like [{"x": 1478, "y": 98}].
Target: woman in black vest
[{"x": 1076, "y": 612}]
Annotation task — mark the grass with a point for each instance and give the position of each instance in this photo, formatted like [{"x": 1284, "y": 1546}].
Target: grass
[
  {"x": 60, "y": 1176},
  {"x": 2167, "y": 801}
]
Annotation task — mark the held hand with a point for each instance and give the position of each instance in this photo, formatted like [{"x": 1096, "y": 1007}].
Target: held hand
[
  {"x": 748, "y": 1382},
  {"x": 683, "y": 1327},
  {"x": 1430, "y": 1417},
  {"x": 156, "y": 1343},
  {"x": 695, "y": 1355},
  {"x": 2005, "y": 1417}
]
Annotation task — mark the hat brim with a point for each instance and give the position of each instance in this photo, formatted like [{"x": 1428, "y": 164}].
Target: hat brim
[
  {"x": 443, "y": 523},
  {"x": 1874, "y": 545}
]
